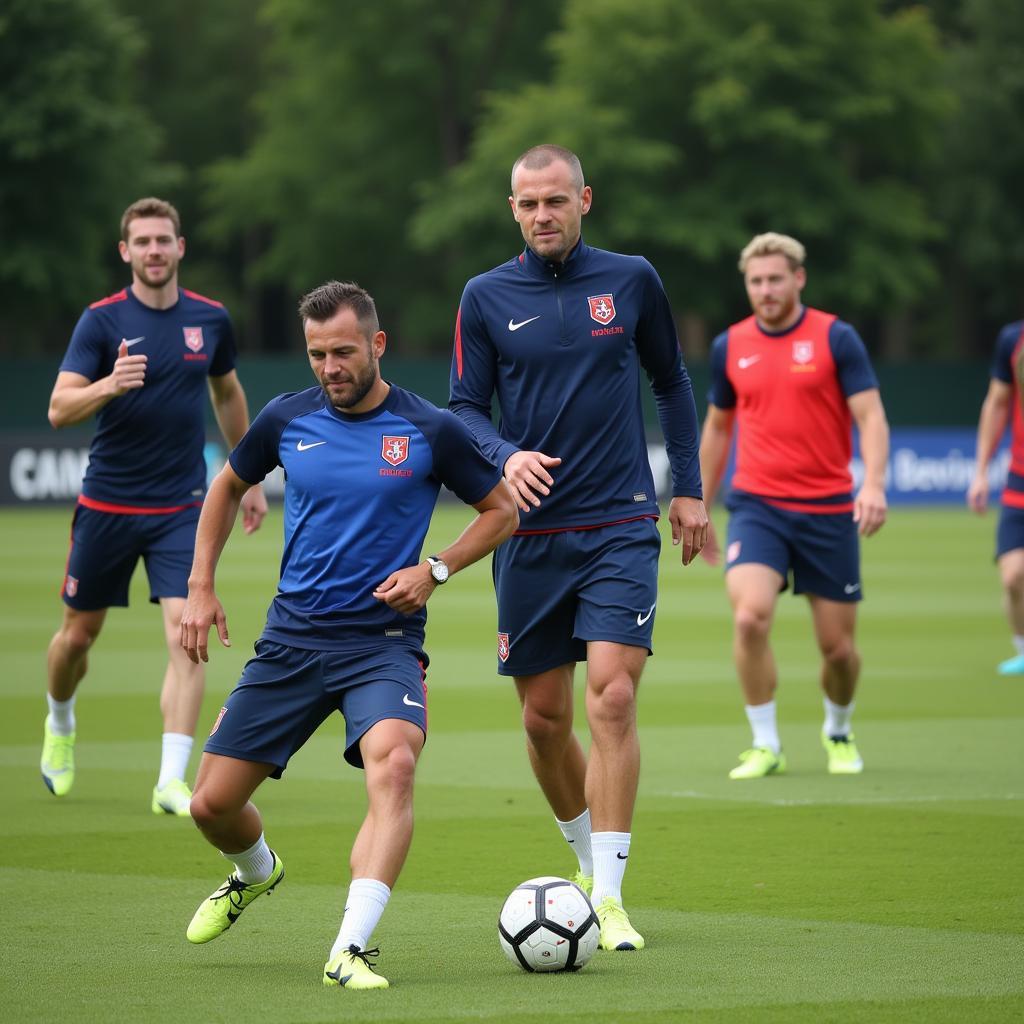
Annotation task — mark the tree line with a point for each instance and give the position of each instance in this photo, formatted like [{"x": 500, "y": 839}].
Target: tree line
[{"x": 307, "y": 139}]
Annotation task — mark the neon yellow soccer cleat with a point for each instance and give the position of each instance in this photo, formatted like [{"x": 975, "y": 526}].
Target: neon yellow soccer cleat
[
  {"x": 585, "y": 882},
  {"x": 352, "y": 968},
  {"x": 758, "y": 762},
  {"x": 58, "y": 761},
  {"x": 843, "y": 756},
  {"x": 219, "y": 911},
  {"x": 616, "y": 931},
  {"x": 172, "y": 799}
]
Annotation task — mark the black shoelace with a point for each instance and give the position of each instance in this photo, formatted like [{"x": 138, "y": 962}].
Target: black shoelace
[
  {"x": 364, "y": 955},
  {"x": 233, "y": 889}
]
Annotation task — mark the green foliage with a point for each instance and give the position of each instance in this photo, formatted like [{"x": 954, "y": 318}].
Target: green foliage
[
  {"x": 76, "y": 147},
  {"x": 362, "y": 103},
  {"x": 700, "y": 124}
]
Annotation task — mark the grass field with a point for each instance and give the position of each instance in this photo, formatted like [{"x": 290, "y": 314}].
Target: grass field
[{"x": 892, "y": 896}]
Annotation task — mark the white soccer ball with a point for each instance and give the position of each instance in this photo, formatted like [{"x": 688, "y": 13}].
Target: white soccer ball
[{"x": 548, "y": 924}]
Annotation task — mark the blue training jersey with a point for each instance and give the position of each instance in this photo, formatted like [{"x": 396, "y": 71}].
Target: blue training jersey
[
  {"x": 147, "y": 451},
  {"x": 562, "y": 346},
  {"x": 360, "y": 492}
]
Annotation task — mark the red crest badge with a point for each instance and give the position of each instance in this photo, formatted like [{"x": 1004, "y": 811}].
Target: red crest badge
[
  {"x": 803, "y": 351},
  {"x": 193, "y": 338},
  {"x": 602, "y": 308},
  {"x": 70, "y": 586},
  {"x": 394, "y": 450},
  {"x": 503, "y": 646}
]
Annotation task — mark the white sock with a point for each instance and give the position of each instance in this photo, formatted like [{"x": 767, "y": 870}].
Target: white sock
[
  {"x": 1018, "y": 642},
  {"x": 254, "y": 865},
  {"x": 611, "y": 850},
  {"x": 366, "y": 901},
  {"x": 762, "y": 724},
  {"x": 177, "y": 747},
  {"x": 577, "y": 832},
  {"x": 61, "y": 719},
  {"x": 837, "y": 718}
]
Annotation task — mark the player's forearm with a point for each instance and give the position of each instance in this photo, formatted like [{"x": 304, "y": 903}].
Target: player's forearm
[
  {"x": 714, "y": 454},
  {"x": 71, "y": 405},
  {"x": 215, "y": 523},
  {"x": 232, "y": 414},
  {"x": 677, "y": 414},
  {"x": 992, "y": 423},
  {"x": 482, "y": 536},
  {"x": 874, "y": 447}
]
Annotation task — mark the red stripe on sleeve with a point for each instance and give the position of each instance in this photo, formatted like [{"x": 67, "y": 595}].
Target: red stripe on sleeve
[{"x": 458, "y": 343}]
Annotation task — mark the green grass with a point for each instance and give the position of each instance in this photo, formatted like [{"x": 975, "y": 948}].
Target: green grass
[{"x": 893, "y": 896}]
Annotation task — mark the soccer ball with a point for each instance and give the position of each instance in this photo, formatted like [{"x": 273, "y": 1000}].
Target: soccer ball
[{"x": 548, "y": 924}]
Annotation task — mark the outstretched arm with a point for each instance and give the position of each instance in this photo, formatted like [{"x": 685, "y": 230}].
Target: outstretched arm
[
  {"x": 407, "y": 590},
  {"x": 995, "y": 415},
  {"x": 203, "y": 609}
]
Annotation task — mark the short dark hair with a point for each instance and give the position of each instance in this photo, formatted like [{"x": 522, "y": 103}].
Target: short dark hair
[
  {"x": 150, "y": 207},
  {"x": 331, "y": 297},
  {"x": 537, "y": 158}
]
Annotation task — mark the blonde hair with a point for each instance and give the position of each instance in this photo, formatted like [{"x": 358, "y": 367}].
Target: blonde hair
[{"x": 773, "y": 244}]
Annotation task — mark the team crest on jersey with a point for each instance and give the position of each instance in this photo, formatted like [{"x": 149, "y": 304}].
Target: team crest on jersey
[
  {"x": 503, "y": 646},
  {"x": 216, "y": 725},
  {"x": 193, "y": 338},
  {"x": 803, "y": 351},
  {"x": 394, "y": 450},
  {"x": 70, "y": 586},
  {"x": 602, "y": 308}
]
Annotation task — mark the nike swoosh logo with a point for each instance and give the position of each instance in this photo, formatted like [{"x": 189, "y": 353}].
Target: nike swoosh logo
[
  {"x": 513, "y": 326},
  {"x": 622, "y": 856},
  {"x": 305, "y": 447},
  {"x": 851, "y": 588},
  {"x": 641, "y": 619},
  {"x": 747, "y": 361},
  {"x": 132, "y": 341},
  {"x": 411, "y": 703}
]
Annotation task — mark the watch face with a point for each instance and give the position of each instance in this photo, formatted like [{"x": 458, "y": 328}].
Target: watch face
[{"x": 439, "y": 571}]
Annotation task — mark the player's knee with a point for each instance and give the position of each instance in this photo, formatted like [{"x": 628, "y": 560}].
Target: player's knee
[
  {"x": 207, "y": 807},
  {"x": 614, "y": 703},
  {"x": 544, "y": 724},
  {"x": 1013, "y": 580},
  {"x": 752, "y": 625},
  {"x": 397, "y": 770},
  {"x": 77, "y": 638},
  {"x": 839, "y": 651}
]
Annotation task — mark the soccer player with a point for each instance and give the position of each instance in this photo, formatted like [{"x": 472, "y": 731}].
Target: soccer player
[
  {"x": 141, "y": 361},
  {"x": 560, "y": 333},
  {"x": 1002, "y": 407},
  {"x": 792, "y": 379},
  {"x": 364, "y": 461}
]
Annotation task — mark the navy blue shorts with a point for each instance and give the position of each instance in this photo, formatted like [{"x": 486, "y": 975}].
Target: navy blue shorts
[
  {"x": 821, "y": 550},
  {"x": 106, "y": 547},
  {"x": 556, "y": 591},
  {"x": 1010, "y": 532},
  {"x": 285, "y": 693}
]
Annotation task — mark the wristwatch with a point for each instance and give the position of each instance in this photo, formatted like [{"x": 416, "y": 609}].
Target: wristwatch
[{"x": 438, "y": 569}]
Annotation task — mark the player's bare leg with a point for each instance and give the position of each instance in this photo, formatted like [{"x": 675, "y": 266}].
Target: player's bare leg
[
  {"x": 222, "y": 809},
  {"x": 67, "y": 659},
  {"x": 180, "y": 700},
  {"x": 390, "y": 750},
  {"x": 835, "y": 623},
  {"x": 184, "y": 681},
  {"x": 753, "y": 591},
  {"x": 221, "y": 805},
  {"x": 555, "y": 753},
  {"x": 1011, "y": 574},
  {"x": 613, "y": 773}
]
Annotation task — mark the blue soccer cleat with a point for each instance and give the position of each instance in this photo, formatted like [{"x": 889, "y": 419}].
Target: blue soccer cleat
[{"x": 1012, "y": 666}]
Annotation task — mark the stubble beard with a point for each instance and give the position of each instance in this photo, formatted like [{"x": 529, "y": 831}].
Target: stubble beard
[{"x": 361, "y": 388}]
